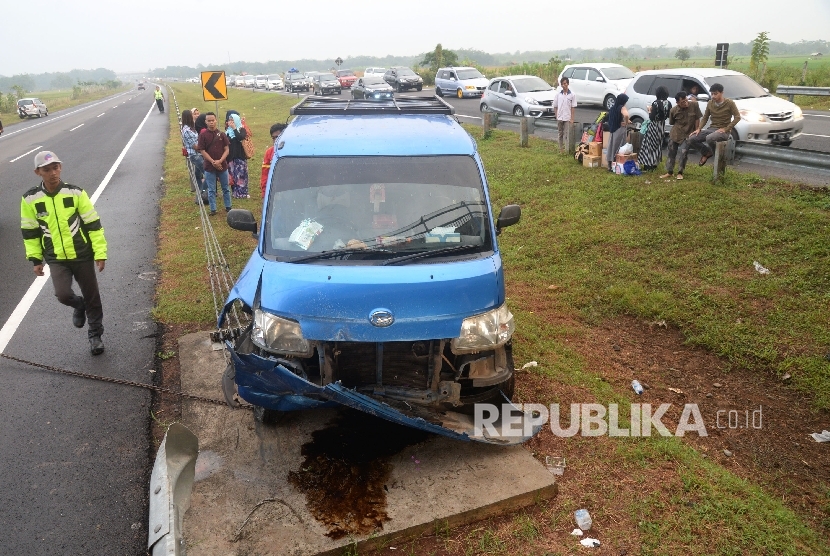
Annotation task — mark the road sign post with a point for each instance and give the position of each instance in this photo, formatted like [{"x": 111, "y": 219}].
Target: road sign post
[
  {"x": 721, "y": 53},
  {"x": 214, "y": 86},
  {"x": 339, "y": 61}
]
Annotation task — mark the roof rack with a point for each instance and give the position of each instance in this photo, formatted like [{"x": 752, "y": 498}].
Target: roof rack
[{"x": 347, "y": 107}]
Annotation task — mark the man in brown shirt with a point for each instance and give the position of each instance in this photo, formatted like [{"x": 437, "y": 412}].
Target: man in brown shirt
[
  {"x": 724, "y": 116},
  {"x": 214, "y": 146},
  {"x": 684, "y": 119}
]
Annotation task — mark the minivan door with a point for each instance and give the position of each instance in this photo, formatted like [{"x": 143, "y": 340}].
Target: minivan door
[{"x": 578, "y": 85}]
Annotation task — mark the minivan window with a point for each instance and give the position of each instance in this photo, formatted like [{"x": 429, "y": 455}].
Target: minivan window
[
  {"x": 531, "y": 85},
  {"x": 673, "y": 84},
  {"x": 579, "y": 74},
  {"x": 375, "y": 208},
  {"x": 568, "y": 73},
  {"x": 593, "y": 74},
  {"x": 469, "y": 74},
  {"x": 618, "y": 73},
  {"x": 737, "y": 87},
  {"x": 643, "y": 84}
]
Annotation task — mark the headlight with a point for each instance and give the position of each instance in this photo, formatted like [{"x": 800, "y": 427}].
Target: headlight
[
  {"x": 483, "y": 332},
  {"x": 531, "y": 100},
  {"x": 752, "y": 116},
  {"x": 797, "y": 113},
  {"x": 274, "y": 333}
]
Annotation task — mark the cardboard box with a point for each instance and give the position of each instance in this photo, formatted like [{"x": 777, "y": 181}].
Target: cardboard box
[
  {"x": 595, "y": 149},
  {"x": 590, "y": 161},
  {"x": 623, "y": 158}
]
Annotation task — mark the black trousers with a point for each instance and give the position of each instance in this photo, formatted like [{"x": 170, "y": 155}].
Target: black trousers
[
  {"x": 84, "y": 273},
  {"x": 160, "y": 103}
]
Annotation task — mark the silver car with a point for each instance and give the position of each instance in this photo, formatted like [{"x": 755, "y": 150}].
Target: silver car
[
  {"x": 519, "y": 95},
  {"x": 27, "y": 107}
]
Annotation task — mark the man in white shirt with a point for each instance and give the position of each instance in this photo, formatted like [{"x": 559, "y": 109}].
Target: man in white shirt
[{"x": 565, "y": 107}]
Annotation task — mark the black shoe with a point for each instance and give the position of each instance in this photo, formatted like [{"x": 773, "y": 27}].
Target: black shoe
[
  {"x": 79, "y": 315},
  {"x": 227, "y": 209},
  {"x": 96, "y": 346},
  {"x": 213, "y": 213}
]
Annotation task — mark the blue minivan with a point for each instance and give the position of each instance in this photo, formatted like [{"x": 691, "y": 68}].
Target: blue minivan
[{"x": 377, "y": 281}]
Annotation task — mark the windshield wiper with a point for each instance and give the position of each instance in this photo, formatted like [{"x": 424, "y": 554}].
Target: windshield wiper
[
  {"x": 430, "y": 253},
  {"x": 336, "y": 253}
]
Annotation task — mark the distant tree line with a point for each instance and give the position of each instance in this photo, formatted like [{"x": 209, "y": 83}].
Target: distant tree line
[{"x": 51, "y": 81}]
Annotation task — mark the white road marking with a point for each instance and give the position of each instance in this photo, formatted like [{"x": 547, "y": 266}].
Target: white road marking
[
  {"x": 470, "y": 117},
  {"x": 76, "y": 127},
  {"x": 24, "y": 154},
  {"x": 101, "y": 114},
  {"x": 814, "y": 135},
  {"x": 818, "y": 115},
  {"x": 28, "y": 299},
  {"x": 56, "y": 118}
]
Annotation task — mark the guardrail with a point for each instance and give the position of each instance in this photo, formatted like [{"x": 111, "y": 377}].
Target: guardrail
[
  {"x": 816, "y": 162},
  {"x": 792, "y": 90}
]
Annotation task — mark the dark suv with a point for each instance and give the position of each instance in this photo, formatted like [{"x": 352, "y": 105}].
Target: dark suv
[
  {"x": 296, "y": 82},
  {"x": 325, "y": 83},
  {"x": 402, "y": 79}
]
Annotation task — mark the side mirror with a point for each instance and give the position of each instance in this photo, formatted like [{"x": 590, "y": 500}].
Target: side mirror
[
  {"x": 703, "y": 97},
  {"x": 510, "y": 93},
  {"x": 242, "y": 220},
  {"x": 600, "y": 79},
  {"x": 508, "y": 216},
  {"x": 766, "y": 90}
]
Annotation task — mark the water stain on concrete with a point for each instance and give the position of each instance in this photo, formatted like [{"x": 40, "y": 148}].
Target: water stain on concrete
[{"x": 345, "y": 471}]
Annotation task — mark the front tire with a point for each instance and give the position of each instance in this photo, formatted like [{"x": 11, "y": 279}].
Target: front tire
[
  {"x": 518, "y": 111},
  {"x": 609, "y": 102},
  {"x": 459, "y": 93},
  {"x": 420, "y": 87},
  {"x": 482, "y": 107}
]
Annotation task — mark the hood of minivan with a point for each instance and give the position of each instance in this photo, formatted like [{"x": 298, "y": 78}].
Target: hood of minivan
[
  {"x": 479, "y": 82},
  {"x": 764, "y": 105},
  {"x": 334, "y": 303},
  {"x": 622, "y": 84}
]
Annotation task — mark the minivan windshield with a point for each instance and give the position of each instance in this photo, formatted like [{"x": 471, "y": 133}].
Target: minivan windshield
[
  {"x": 531, "y": 85},
  {"x": 372, "y": 209},
  {"x": 326, "y": 77},
  {"x": 737, "y": 87},
  {"x": 469, "y": 74},
  {"x": 618, "y": 73}
]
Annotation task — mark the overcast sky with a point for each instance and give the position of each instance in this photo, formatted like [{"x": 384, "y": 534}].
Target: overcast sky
[{"x": 53, "y": 35}]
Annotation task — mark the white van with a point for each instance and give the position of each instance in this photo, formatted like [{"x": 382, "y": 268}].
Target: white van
[
  {"x": 596, "y": 83},
  {"x": 260, "y": 82},
  {"x": 764, "y": 118}
]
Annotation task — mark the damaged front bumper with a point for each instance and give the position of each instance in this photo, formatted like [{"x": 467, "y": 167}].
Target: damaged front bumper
[{"x": 281, "y": 384}]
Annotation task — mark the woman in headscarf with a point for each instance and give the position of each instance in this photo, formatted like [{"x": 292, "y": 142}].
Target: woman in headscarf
[
  {"x": 617, "y": 122},
  {"x": 237, "y": 160},
  {"x": 651, "y": 150},
  {"x": 189, "y": 138}
]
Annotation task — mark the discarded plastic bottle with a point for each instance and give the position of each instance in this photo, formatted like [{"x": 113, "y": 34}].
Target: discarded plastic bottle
[
  {"x": 638, "y": 388},
  {"x": 583, "y": 519}
]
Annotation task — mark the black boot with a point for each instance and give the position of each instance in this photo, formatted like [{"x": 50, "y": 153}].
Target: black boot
[
  {"x": 79, "y": 314},
  {"x": 96, "y": 346}
]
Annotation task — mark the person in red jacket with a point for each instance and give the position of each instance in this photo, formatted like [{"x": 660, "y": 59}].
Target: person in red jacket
[{"x": 276, "y": 131}]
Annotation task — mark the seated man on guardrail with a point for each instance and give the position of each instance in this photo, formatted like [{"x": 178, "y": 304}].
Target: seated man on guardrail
[
  {"x": 724, "y": 114},
  {"x": 684, "y": 118}
]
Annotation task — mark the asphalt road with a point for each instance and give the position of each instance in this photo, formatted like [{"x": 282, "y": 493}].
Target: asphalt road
[{"x": 74, "y": 452}]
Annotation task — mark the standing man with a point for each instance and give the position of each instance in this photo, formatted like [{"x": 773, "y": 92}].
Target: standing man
[
  {"x": 60, "y": 227},
  {"x": 565, "y": 105},
  {"x": 276, "y": 131},
  {"x": 724, "y": 114},
  {"x": 159, "y": 99},
  {"x": 685, "y": 120},
  {"x": 214, "y": 147}
]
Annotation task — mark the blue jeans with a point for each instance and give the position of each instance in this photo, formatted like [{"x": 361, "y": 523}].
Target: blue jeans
[
  {"x": 199, "y": 170},
  {"x": 210, "y": 181}
]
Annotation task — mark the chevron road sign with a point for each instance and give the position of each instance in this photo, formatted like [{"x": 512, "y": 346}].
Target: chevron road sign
[{"x": 214, "y": 86}]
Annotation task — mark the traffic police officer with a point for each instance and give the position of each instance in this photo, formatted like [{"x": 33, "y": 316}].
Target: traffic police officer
[
  {"x": 159, "y": 99},
  {"x": 60, "y": 227}
]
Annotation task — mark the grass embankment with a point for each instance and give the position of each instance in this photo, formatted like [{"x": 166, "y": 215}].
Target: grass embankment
[
  {"x": 681, "y": 252},
  {"x": 58, "y": 100}
]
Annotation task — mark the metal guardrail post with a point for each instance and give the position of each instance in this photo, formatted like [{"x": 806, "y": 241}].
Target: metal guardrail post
[
  {"x": 523, "y": 140},
  {"x": 487, "y": 123}
]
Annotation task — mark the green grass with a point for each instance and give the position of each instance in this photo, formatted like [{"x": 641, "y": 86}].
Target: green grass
[{"x": 679, "y": 251}]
